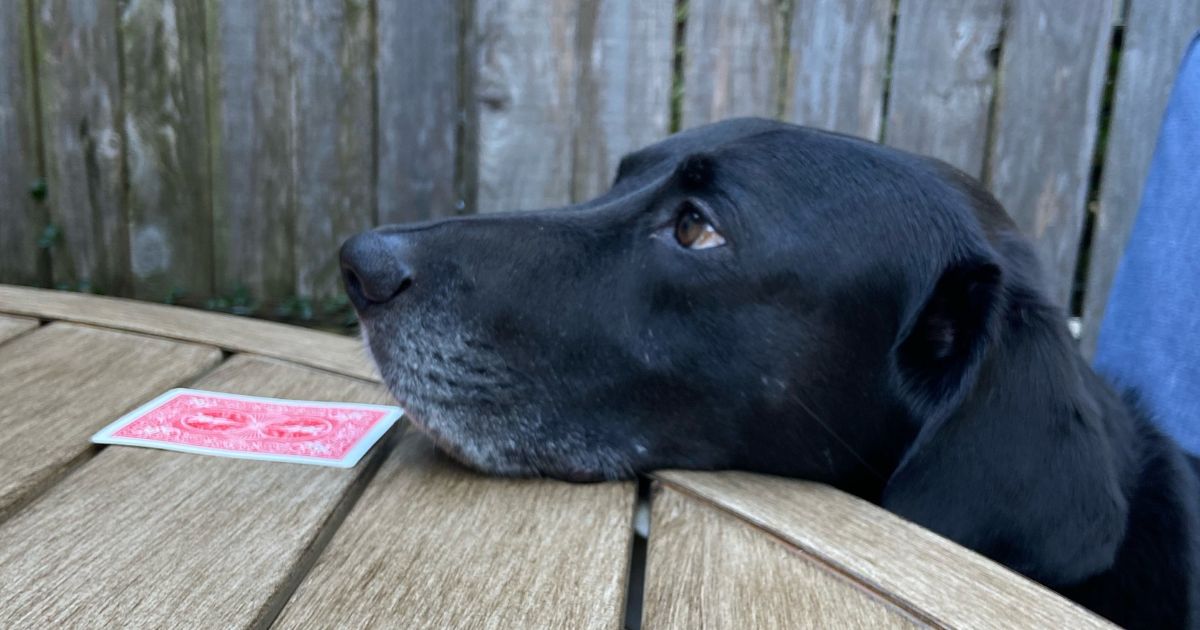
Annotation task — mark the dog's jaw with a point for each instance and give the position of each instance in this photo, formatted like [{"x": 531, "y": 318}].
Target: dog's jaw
[{"x": 457, "y": 390}]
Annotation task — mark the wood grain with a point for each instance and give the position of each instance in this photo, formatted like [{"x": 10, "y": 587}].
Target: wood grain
[
  {"x": 526, "y": 67},
  {"x": 624, "y": 87},
  {"x": 23, "y": 217},
  {"x": 147, "y": 538},
  {"x": 332, "y": 53},
  {"x": 251, "y": 96},
  {"x": 942, "y": 79},
  {"x": 886, "y": 553},
  {"x": 837, "y": 68},
  {"x": 731, "y": 60},
  {"x": 344, "y": 355},
  {"x": 417, "y": 72},
  {"x": 432, "y": 545},
  {"x": 11, "y": 327},
  {"x": 708, "y": 569},
  {"x": 1052, "y": 73},
  {"x": 166, "y": 131},
  {"x": 61, "y": 384},
  {"x": 78, "y": 73},
  {"x": 1156, "y": 34}
]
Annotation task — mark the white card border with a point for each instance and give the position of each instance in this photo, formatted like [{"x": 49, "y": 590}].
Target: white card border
[{"x": 349, "y": 460}]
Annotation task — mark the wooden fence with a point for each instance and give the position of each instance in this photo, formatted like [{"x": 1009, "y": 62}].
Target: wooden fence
[{"x": 192, "y": 149}]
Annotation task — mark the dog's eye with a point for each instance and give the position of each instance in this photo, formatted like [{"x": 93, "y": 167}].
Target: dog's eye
[{"x": 693, "y": 231}]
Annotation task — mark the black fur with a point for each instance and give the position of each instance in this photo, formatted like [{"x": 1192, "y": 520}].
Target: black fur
[{"x": 873, "y": 320}]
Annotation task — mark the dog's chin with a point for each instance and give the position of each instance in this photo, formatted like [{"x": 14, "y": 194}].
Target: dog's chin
[
  {"x": 499, "y": 445},
  {"x": 512, "y": 457},
  {"x": 459, "y": 392}
]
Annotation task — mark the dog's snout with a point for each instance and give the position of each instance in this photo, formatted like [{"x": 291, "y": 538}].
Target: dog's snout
[{"x": 373, "y": 268}]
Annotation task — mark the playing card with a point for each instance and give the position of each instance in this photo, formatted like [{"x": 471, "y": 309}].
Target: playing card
[{"x": 252, "y": 427}]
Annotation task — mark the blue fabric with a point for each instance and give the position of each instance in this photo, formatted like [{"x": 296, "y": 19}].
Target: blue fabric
[{"x": 1150, "y": 336}]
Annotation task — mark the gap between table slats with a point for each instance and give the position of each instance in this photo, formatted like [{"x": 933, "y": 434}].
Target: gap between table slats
[{"x": 13, "y": 327}]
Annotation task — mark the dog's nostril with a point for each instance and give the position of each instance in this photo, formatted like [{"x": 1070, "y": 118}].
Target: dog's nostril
[
  {"x": 372, "y": 271},
  {"x": 353, "y": 284}
]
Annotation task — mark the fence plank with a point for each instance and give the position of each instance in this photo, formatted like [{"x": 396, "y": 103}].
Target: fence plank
[
  {"x": 419, "y": 104},
  {"x": 1052, "y": 72},
  {"x": 942, "y": 79},
  {"x": 624, "y": 89},
  {"x": 22, "y": 216},
  {"x": 331, "y": 46},
  {"x": 166, "y": 131},
  {"x": 837, "y": 67},
  {"x": 526, "y": 65},
  {"x": 1156, "y": 34},
  {"x": 250, "y": 98},
  {"x": 731, "y": 60},
  {"x": 81, "y": 102}
]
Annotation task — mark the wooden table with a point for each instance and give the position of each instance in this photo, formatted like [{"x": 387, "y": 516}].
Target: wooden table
[{"x": 132, "y": 537}]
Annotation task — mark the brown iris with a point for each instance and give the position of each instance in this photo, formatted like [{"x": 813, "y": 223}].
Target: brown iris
[{"x": 693, "y": 231}]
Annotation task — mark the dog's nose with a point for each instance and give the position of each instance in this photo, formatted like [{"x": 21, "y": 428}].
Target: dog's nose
[{"x": 373, "y": 269}]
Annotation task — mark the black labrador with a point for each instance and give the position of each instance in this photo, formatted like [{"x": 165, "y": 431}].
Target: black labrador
[{"x": 761, "y": 296}]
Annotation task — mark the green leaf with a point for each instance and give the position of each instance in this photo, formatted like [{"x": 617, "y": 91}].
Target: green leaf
[{"x": 38, "y": 189}]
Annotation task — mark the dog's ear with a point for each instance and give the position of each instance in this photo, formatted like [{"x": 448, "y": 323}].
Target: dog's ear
[
  {"x": 940, "y": 346},
  {"x": 1010, "y": 458}
]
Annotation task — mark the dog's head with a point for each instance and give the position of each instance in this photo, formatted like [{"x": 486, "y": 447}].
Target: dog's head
[
  {"x": 750, "y": 295},
  {"x": 746, "y": 295}
]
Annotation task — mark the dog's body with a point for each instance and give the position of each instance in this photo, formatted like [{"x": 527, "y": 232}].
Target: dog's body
[{"x": 761, "y": 296}]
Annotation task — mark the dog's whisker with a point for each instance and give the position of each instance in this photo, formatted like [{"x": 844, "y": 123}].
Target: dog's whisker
[{"x": 829, "y": 429}]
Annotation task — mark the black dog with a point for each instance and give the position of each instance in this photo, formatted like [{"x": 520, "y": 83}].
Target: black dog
[{"x": 765, "y": 297}]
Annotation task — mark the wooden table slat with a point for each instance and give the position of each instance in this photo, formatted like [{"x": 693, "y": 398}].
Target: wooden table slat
[
  {"x": 15, "y": 326},
  {"x": 432, "y": 545},
  {"x": 148, "y": 538},
  {"x": 327, "y": 351},
  {"x": 709, "y": 569},
  {"x": 944, "y": 582},
  {"x": 62, "y": 383}
]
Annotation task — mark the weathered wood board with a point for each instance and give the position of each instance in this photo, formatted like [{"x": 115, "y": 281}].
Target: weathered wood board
[
  {"x": 336, "y": 353},
  {"x": 11, "y": 327},
  {"x": 83, "y": 142},
  {"x": 421, "y": 109},
  {"x": 526, "y": 67},
  {"x": 624, "y": 87},
  {"x": 62, "y": 383},
  {"x": 887, "y": 554},
  {"x": 943, "y": 79},
  {"x": 22, "y": 216},
  {"x": 251, "y": 96},
  {"x": 166, "y": 137},
  {"x": 1046, "y": 114},
  {"x": 837, "y": 70},
  {"x": 1156, "y": 34},
  {"x": 504, "y": 553},
  {"x": 731, "y": 60},
  {"x": 709, "y": 569},
  {"x": 149, "y": 538},
  {"x": 331, "y": 48}
]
